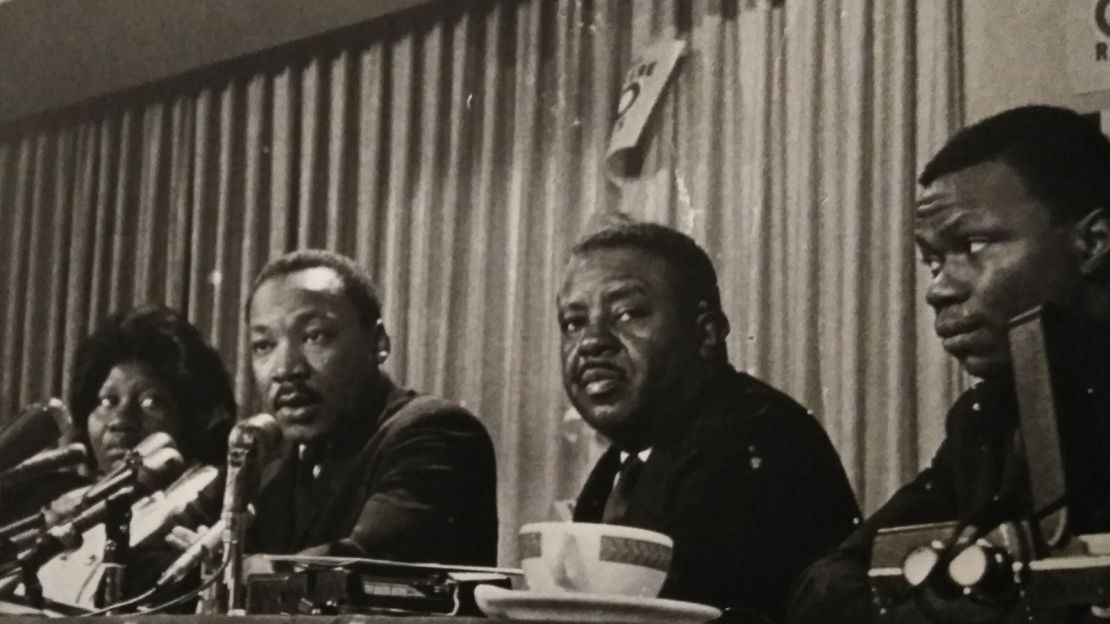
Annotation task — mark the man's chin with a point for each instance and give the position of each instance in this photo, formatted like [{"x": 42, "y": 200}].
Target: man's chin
[
  {"x": 608, "y": 419},
  {"x": 300, "y": 427},
  {"x": 985, "y": 366}
]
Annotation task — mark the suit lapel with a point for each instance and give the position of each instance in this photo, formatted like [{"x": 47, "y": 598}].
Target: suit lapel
[{"x": 649, "y": 502}]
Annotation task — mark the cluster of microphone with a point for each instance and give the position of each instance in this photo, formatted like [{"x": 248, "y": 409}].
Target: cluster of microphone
[{"x": 152, "y": 468}]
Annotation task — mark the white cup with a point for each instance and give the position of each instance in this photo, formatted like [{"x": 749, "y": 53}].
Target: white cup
[{"x": 594, "y": 558}]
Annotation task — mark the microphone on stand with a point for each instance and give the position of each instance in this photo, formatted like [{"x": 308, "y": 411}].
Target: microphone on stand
[
  {"x": 24, "y": 531},
  {"x": 208, "y": 543},
  {"x": 44, "y": 463},
  {"x": 110, "y": 498},
  {"x": 255, "y": 437},
  {"x": 39, "y": 426},
  {"x": 154, "y": 473},
  {"x": 153, "y": 442},
  {"x": 157, "y": 514}
]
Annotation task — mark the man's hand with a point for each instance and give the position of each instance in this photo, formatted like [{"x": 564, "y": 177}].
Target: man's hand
[{"x": 182, "y": 538}]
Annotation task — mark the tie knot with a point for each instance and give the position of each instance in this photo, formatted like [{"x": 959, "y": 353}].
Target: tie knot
[
  {"x": 630, "y": 467},
  {"x": 616, "y": 507}
]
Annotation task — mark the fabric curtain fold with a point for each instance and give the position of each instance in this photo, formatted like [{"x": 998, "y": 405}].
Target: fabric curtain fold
[{"x": 457, "y": 154}]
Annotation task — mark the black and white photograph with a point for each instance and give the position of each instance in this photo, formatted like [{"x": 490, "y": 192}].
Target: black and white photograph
[{"x": 555, "y": 311}]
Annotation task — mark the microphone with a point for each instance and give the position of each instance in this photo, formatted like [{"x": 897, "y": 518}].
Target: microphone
[
  {"x": 197, "y": 552},
  {"x": 66, "y": 505},
  {"x": 153, "y": 442},
  {"x": 154, "y": 516},
  {"x": 154, "y": 473},
  {"x": 44, "y": 463},
  {"x": 258, "y": 435},
  {"x": 67, "y": 536},
  {"x": 261, "y": 431},
  {"x": 253, "y": 438},
  {"x": 39, "y": 426}
]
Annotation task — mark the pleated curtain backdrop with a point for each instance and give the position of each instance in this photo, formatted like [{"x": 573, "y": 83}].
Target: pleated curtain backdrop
[{"x": 456, "y": 153}]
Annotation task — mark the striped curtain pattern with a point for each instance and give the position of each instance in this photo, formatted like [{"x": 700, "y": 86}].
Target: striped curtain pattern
[{"x": 457, "y": 152}]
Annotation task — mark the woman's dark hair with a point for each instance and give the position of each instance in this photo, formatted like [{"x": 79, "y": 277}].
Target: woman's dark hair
[{"x": 176, "y": 353}]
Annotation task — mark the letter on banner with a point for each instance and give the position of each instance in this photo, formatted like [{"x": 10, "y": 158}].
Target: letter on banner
[
  {"x": 1087, "y": 41},
  {"x": 640, "y": 92}
]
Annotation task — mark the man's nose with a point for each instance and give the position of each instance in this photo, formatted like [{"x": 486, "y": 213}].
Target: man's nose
[
  {"x": 947, "y": 287},
  {"x": 291, "y": 363},
  {"x": 597, "y": 339}
]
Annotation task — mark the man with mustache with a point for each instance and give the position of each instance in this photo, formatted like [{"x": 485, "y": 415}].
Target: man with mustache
[
  {"x": 373, "y": 469},
  {"x": 740, "y": 476},
  {"x": 1012, "y": 214}
]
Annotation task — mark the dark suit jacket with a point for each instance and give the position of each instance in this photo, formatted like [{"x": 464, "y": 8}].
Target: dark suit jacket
[
  {"x": 414, "y": 481},
  {"x": 977, "y": 463},
  {"x": 748, "y": 487}
]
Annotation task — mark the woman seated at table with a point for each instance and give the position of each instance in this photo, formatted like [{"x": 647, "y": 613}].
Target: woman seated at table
[{"x": 143, "y": 371}]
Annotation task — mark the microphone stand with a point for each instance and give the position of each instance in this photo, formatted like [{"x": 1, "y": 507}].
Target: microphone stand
[
  {"x": 236, "y": 519},
  {"x": 117, "y": 549}
]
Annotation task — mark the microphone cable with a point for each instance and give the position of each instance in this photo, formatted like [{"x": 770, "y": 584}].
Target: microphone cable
[
  {"x": 193, "y": 593},
  {"x": 121, "y": 605},
  {"x": 165, "y": 605}
]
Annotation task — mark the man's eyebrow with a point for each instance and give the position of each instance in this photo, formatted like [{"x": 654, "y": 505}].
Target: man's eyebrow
[
  {"x": 931, "y": 203},
  {"x": 562, "y": 303},
  {"x": 299, "y": 317},
  {"x": 625, "y": 289}
]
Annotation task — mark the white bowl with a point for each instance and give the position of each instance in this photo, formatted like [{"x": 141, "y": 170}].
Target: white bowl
[{"x": 594, "y": 558}]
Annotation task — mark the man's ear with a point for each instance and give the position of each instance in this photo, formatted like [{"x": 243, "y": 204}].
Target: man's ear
[
  {"x": 382, "y": 345},
  {"x": 1093, "y": 241},
  {"x": 712, "y": 329}
]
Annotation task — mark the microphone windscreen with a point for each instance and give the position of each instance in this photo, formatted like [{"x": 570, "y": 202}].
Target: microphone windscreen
[
  {"x": 159, "y": 469},
  {"x": 44, "y": 463},
  {"x": 34, "y": 429},
  {"x": 156, "y": 515},
  {"x": 153, "y": 442},
  {"x": 262, "y": 429}
]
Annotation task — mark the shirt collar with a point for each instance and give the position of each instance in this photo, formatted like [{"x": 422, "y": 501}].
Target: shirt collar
[{"x": 643, "y": 455}]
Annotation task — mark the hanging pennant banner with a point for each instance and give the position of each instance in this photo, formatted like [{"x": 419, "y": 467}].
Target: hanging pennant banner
[
  {"x": 1087, "y": 40},
  {"x": 640, "y": 92}
]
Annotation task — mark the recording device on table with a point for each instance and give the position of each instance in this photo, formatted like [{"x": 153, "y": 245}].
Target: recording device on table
[
  {"x": 1022, "y": 557},
  {"x": 344, "y": 585}
]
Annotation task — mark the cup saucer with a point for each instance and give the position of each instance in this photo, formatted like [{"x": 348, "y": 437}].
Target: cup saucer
[{"x": 522, "y": 605}]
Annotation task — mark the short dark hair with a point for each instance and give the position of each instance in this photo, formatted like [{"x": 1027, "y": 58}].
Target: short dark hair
[
  {"x": 696, "y": 278},
  {"x": 1062, "y": 157},
  {"x": 176, "y": 353},
  {"x": 358, "y": 288}
]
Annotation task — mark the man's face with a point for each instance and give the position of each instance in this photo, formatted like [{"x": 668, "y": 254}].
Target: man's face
[
  {"x": 993, "y": 251},
  {"x": 310, "y": 355},
  {"x": 624, "y": 346}
]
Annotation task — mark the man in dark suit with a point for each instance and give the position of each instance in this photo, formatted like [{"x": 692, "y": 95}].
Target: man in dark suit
[
  {"x": 1013, "y": 214},
  {"x": 371, "y": 469},
  {"x": 740, "y": 476}
]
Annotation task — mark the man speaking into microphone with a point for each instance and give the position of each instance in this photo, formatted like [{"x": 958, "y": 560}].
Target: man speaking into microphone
[{"x": 371, "y": 469}]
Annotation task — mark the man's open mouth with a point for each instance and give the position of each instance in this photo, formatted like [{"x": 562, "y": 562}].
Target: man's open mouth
[{"x": 296, "y": 403}]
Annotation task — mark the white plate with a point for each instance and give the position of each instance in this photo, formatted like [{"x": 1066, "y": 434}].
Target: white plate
[{"x": 497, "y": 602}]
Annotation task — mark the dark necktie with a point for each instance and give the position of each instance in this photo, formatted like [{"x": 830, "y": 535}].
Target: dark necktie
[
  {"x": 303, "y": 491},
  {"x": 616, "y": 507}
]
